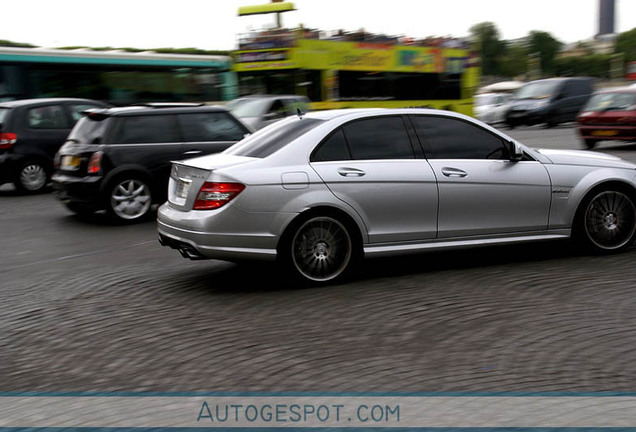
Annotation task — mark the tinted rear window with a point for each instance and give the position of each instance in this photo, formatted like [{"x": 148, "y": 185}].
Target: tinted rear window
[
  {"x": 150, "y": 129},
  {"x": 87, "y": 131},
  {"x": 272, "y": 138}
]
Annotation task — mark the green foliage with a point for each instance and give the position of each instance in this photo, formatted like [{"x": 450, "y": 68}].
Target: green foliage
[
  {"x": 547, "y": 47},
  {"x": 626, "y": 44},
  {"x": 594, "y": 65},
  {"x": 7, "y": 43},
  {"x": 486, "y": 41},
  {"x": 514, "y": 62}
]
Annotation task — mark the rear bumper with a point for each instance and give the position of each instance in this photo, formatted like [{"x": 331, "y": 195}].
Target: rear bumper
[
  {"x": 229, "y": 234},
  {"x": 80, "y": 190},
  {"x": 8, "y": 168}
]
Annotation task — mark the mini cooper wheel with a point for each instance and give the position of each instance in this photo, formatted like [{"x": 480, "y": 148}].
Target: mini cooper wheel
[
  {"x": 129, "y": 199},
  {"x": 32, "y": 177},
  {"x": 609, "y": 221},
  {"x": 321, "y": 249}
]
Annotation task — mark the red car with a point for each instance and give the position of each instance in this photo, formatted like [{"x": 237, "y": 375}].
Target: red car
[{"x": 608, "y": 115}]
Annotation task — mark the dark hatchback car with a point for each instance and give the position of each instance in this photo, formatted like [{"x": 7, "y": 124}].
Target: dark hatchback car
[
  {"x": 118, "y": 159},
  {"x": 31, "y": 132},
  {"x": 608, "y": 115},
  {"x": 549, "y": 101}
]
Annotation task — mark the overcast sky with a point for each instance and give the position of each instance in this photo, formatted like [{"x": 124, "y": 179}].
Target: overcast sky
[{"x": 214, "y": 24}]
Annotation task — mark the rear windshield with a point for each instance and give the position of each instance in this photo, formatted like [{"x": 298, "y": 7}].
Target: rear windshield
[
  {"x": 88, "y": 131},
  {"x": 273, "y": 138},
  {"x": 611, "y": 102},
  {"x": 3, "y": 114}
]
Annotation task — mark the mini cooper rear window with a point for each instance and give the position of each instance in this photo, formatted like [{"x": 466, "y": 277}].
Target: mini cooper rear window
[
  {"x": 87, "y": 131},
  {"x": 3, "y": 114},
  {"x": 273, "y": 138}
]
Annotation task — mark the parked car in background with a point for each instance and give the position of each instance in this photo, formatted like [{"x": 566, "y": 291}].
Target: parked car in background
[
  {"x": 319, "y": 191},
  {"x": 259, "y": 111},
  {"x": 608, "y": 115},
  {"x": 31, "y": 132},
  {"x": 491, "y": 108},
  {"x": 118, "y": 159},
  {"x": 549, "y": 101}
]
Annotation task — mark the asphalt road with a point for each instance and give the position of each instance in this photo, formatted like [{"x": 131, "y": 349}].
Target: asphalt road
[{"x": 87, "y": 306}]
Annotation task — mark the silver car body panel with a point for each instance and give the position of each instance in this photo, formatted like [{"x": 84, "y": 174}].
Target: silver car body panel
[
  {"x": 398, "y": 206},
  {"x": 380, "y": 190}
]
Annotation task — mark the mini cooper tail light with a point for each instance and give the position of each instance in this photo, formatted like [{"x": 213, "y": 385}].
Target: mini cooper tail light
[
  {"x": 7, "y": 140},
  {"x": 215, "y": 195},
  {"x": 94, "y": 163}
]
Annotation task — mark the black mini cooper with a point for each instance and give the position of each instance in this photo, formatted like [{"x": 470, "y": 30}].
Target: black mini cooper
[{"x": 118, "y": 159}]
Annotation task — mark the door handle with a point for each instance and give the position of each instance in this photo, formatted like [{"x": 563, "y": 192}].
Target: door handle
[
  {"x": 351, "y": 172},
  {"x": 454, "y": 172},
  {"x": 193, "y": 152}
]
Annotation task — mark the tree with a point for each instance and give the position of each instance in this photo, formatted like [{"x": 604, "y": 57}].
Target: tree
[
  {"x": 486, "y": 41},
  {"x": 515, "y": 61},
  {"x": 7, "y": 43},
  {"x": 547, "y": 47},
  {"x": 626, "y": 44}
]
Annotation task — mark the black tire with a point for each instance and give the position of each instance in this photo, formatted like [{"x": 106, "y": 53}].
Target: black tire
[
  {"x": 320, "y": 249},
  {"x": 31, "y": 177},
  {"x": 551, "y": 123},
  {"x": 606, "y": 220},
  {"x": 589, "y": 143},
  {"x": 128, "y": 199}
]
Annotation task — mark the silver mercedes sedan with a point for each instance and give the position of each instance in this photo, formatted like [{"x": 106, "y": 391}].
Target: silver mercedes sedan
[{"x": 320, "y": 191}]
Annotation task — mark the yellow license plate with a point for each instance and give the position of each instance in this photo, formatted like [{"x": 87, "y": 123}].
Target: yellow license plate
[
  {"x": 70, "y": 163},
  {"x": 605, "y": 132}
]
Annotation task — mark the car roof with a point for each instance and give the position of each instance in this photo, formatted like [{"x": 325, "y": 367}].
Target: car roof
[
  {"x": 156, "y": 109},
  {"x": 370, "y": 112},
  {"x": 36, "y": 101}
]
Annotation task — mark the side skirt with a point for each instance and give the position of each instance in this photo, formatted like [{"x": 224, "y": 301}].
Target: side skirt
[{"x": 388, "y": 249}]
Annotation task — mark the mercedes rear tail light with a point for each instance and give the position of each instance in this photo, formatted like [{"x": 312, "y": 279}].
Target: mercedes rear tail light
[
  {"x": 7, "y": 140},
  {"x": 215, "y": 195}
]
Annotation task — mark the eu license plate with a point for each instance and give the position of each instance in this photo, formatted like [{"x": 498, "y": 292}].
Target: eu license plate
[
  {"x": 70, "y": 163},
  {"x": 183, "y": 187},
  {"x": 605, "y": 132}
]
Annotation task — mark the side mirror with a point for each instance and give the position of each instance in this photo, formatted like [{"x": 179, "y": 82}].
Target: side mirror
[{"x": 516, "y": 152}]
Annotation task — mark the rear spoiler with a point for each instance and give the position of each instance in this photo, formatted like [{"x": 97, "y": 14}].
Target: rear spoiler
[{"x": 97, "y": 114}]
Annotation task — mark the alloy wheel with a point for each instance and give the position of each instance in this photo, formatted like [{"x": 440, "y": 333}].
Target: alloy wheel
[
  {"x": 321, "y": 249},
  {"x": 130, "y": 199},
  {"x": 32, "y": 177},
  {"x": 610, "y": 220}
]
